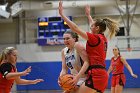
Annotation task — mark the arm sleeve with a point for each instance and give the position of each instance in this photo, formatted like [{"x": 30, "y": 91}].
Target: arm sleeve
[
  {"x": 93, "y": 39},
  {"x": 5, "y": 68}
]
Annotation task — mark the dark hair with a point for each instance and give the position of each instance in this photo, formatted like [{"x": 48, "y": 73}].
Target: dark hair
[
  {"x": 73, "y": 34},
  {"x": 107, "y": 22},
  {"x": 118, "y": 50}
]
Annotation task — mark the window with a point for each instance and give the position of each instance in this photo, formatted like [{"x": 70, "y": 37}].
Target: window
[{"x": 121, "y": 32}]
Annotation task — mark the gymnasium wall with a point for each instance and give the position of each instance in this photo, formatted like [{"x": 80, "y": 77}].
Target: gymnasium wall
[
  {"x": 49, "y": 71},
  {"x": 46, "y": 64},
  {"x": 46, "y": 60}
]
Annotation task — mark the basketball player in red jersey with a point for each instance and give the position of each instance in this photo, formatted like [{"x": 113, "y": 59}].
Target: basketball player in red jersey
[
  {"x": 8, "y": 72},
  {"x": 96, "y": 48},
  {"x": 117, "y": 68}
]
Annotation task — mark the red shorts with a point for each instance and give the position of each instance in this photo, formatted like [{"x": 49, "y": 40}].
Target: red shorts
[
  {"x": 4, "y": 91},
  {"x": 118, "y": 79},
  {"x": 97, "y": 79}
]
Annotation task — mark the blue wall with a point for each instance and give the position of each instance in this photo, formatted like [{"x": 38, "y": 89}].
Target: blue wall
[{"x": 49, "y": 71}]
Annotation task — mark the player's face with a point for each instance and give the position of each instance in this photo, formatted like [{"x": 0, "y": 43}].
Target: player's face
[
  {"x": 13, "y": 56},
  {"x": 68, "y": 40},
  {"x": 94, "y": 28},
  {"x": 115, "y": 51}
]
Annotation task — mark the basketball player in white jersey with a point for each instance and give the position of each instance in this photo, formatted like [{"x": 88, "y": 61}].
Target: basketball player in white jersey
[{"x": 74, "y": 57}]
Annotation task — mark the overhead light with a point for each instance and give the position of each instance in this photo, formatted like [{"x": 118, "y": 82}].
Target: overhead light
[
  {"x": 3, "y": 7},
  {"x": 3, "y": 11},
  {"x": 16, "y": 8}
]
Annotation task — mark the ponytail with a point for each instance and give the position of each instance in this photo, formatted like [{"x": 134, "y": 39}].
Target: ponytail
[
  {"x": 112, "y": 26},
  {"x": 2, "y": 57}
]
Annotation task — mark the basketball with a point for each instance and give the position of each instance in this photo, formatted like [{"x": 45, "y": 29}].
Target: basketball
[{"x": 65, "y": 82}]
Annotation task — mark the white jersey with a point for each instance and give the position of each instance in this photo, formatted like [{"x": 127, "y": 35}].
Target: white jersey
[{"x": 73, "y": 61}]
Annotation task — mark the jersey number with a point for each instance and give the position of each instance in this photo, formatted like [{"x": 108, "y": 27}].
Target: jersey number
[{"x": 69, "y": 65}]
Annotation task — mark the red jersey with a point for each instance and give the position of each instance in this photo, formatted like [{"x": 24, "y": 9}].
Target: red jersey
[
  {"x": 6, "y": 85},
  {"x": 96, "y": 48},
  {"x": 117, "y": 65}
]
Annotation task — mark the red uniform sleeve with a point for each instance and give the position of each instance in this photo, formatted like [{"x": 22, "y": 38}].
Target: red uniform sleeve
[
  {"x": 93, "y": 39},
  {"x": 5, "y": 68}
]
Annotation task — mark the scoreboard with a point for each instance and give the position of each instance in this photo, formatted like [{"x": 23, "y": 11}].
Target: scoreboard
[{"x": 50, "y": 30}]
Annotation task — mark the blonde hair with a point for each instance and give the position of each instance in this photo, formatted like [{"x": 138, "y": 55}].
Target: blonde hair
[
  {"x": 107, "y": 22},
  {"x": 5, "y": 52}
]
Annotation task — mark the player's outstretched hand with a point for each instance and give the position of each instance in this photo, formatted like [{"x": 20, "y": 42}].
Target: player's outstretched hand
[
  {"x": 87, "y": 10},
  {"x": 37, "y": 81},
  {"x": 134, "y": 75},
  {"x": 26, "y": 71},
  {"x": 60, "y": 7}
]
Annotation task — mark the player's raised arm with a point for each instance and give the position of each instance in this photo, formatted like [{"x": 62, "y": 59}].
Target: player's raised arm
[{"x": 71, "y": 24}]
